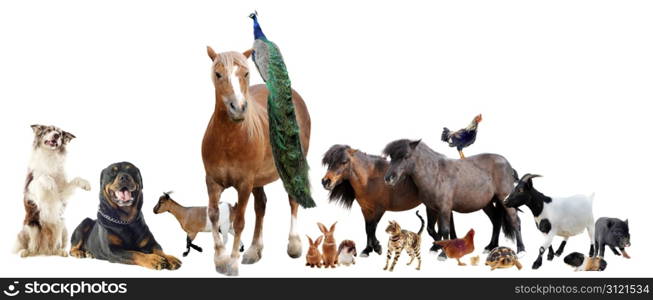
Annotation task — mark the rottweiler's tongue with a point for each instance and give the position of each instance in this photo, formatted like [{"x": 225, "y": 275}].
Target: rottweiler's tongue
[{"x": 123, "y": 195}]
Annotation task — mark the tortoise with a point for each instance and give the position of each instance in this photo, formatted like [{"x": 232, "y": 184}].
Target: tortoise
[{"x": 502, "y": 257}]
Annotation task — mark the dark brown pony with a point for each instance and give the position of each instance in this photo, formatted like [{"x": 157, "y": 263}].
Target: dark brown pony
[
  {"x": 354, "y": 175},
  {"x": 236, "y": 153},
  {"x": 461, "y": 185}
]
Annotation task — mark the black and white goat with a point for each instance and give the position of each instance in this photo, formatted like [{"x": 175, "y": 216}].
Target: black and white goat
[{"x": 565, "y": 217}]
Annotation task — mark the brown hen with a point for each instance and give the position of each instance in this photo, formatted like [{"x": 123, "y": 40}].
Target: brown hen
[{"x": 457, "y": 248}]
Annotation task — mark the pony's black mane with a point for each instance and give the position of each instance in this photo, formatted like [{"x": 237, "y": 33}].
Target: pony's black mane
[
  {"x": 335, "y": 155},
  {"x": 344, "y": 193},
  {"x": 397, "y": 149}
]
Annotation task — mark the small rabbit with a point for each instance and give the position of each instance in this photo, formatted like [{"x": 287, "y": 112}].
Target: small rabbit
[
  {"x": 313, "y": 256},
  {"x": 329, "y": 250},
  {"x": 347, "y": 252}
]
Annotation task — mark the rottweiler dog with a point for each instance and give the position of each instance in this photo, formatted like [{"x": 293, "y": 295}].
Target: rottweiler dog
[{"x": 120, "y": 234}]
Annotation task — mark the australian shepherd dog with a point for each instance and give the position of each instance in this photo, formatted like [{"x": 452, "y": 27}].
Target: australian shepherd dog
[{"x": 46, "y": 193}]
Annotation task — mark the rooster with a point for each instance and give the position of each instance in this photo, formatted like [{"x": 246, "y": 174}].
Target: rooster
[
  {"x": 289, "y": 158},
  {"x": 457, "y": 248},
  {"x": 462, "y": 138}
]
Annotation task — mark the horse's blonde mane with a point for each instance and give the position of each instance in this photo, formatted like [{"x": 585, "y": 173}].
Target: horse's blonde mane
[{"x": 255, "y": 114}]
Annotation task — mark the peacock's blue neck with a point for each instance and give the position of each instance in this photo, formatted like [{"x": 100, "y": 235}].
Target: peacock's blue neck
[{"x": 258, "y": 32}]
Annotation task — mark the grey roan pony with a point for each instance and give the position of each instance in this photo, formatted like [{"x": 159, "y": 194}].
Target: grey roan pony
[{"x": 462, "y": 185}]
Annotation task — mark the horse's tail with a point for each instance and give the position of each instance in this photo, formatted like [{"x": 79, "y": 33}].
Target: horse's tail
[
  {"x": 509, "y": 228},
  {"x": 445, "y": 134},
  {"x": 421, "y": 229}
]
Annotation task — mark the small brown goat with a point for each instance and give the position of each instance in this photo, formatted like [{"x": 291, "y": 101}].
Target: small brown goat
[{"x": 195, "y": 219}]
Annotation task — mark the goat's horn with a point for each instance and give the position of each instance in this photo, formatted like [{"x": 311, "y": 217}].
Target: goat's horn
[{"x": 529, "y": 176}]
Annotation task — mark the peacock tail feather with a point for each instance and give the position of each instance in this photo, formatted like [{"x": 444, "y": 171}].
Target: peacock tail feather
[{"x": 289, "y": 157}]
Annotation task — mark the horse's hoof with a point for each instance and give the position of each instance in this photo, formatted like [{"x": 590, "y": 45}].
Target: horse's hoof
[
  {"x": 489, "y": 248},
  {"x": 232, "y": 267},
  {"x": 226, "y": 265},
  {"x": 435, "y": 248},
  {"x": 378, "y": 249},
  {"x": 294, "y": 246},
  {"x": 253, "y": 255},
  {"x": 442, "y": 256},
  {"x": 537, "y": 265},
  {"x": 521, "y": 254},
  {"x": 366, "y": 252}
]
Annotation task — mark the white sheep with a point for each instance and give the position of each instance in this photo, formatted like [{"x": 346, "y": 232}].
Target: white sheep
[{"x": 565, "y": 217}]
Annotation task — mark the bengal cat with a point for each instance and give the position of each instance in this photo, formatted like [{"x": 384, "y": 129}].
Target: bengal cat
[{"x": 404, "y": 239}]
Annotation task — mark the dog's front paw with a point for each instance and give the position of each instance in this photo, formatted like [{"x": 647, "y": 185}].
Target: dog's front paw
[
  {"x": 78, "y": 253},
  {"x": 152, "y": 261},
  {"x": 24, "y": 253},
  {"x": 173, "y": 262},
  {"x": 82, "y": 183}
]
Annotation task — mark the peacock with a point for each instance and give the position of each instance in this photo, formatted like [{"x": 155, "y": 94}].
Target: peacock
[{"x": 289, "y": 157}]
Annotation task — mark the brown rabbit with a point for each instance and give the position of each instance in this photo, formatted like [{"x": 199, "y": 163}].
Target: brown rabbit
[
  {"x": 329, "y": 248},
  {"x": 313, "y": 256}
]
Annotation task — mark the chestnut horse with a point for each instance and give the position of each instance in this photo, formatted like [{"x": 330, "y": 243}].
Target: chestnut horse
[
  {"x": 236, "y": 153},
  {"x": 354, "y": 175}
]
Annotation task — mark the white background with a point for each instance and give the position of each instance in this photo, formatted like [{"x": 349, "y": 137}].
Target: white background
[{"x": 564, "y": 88}]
